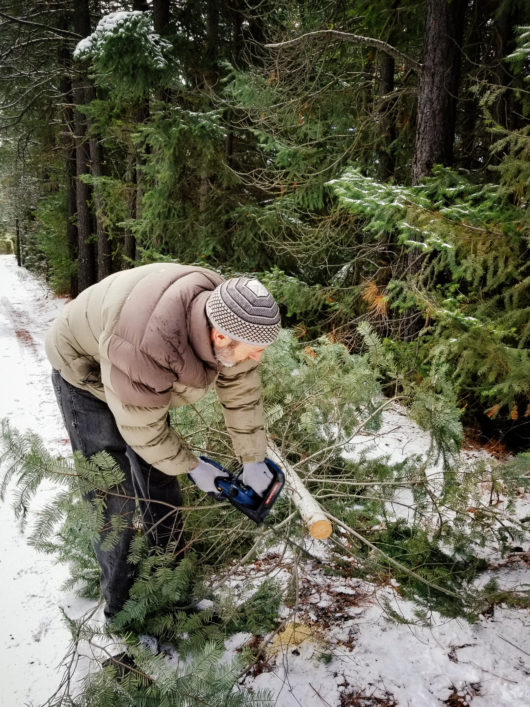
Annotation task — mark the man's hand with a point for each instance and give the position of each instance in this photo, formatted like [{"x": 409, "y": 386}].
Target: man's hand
[
  {"x": 258, "y": 476},
  {"x": 204, "y": 474}
]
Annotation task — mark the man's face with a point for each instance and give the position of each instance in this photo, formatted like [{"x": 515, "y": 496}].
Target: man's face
[{"x": 229, "y": 352}]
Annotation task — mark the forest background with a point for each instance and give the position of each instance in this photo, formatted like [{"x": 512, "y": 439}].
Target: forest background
[
  {"x": 372, "y": 166},
  {"x": 369, "y": 161}
]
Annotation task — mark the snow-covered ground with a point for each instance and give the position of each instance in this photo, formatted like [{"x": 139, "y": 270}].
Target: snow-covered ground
[
  {"x": 34, "y": 635},
  {"x": 340, "y": 648}
]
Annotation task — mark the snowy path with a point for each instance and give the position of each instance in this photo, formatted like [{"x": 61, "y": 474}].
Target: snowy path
[
  {"x": 418, "y": 666},
  {"x": 34, "y": 638}
]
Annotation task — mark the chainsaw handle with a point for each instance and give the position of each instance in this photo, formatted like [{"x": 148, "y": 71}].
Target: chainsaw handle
[{"x": 243, "y": 497}]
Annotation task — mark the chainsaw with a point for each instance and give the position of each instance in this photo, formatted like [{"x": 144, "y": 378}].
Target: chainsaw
[{"x": 244, "y": 498}]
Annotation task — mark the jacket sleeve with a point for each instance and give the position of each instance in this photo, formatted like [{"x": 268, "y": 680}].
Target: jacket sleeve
[
  {"x": 147, "y": 431},
  {"x": 239, "y": 392}
]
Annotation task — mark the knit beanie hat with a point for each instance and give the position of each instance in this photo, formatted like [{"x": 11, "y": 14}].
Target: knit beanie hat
[{"x": 243, "y": 309}]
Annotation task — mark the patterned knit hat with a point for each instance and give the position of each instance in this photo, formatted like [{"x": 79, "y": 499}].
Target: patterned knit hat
[{"x": 243, "y": 309}]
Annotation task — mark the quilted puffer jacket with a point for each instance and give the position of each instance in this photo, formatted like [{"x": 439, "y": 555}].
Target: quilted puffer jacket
[{"x": 140, "y": 340}]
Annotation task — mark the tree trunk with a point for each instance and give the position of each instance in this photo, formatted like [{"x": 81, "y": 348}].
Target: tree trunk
[
  {"x": 135, "y": 181},
  {"x": 316, "y": 521},
  {"x": 471, "y": 151},
  {"x": 236, "y": 20},
  {"x": 129, "y": 243},
  {"x": 505, "y": 110},
  {"x": 387, "y": 125},
  {"x": 104, "y": 248},
  {"x": 438, "y": 86},
  {"x": 18, "y": 244},
  {"x": 142, "y": 115},
  {"x": 86, "y": 250},
  {"x": 211, "y": 75},
  {"x": 86, "y": 245},
  {"x": 209, "y": 78},
  {"x": 256, "y": 35},
  {"x": 161, "y": 16},
  {"x": 69, "y": 151},
  {"x": 134, "y": 158},
  {"x": 71, "y": 196},
  {"x": 386, "y": 100}
]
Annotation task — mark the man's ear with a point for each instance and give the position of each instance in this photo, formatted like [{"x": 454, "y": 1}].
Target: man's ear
[{"x": 218, "y": 339}]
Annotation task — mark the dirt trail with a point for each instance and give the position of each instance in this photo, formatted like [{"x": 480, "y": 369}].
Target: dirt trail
[{"x": 21, "y": 325}]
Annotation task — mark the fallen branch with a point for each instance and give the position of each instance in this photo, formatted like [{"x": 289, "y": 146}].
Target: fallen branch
[{"x": 394, "y": 562}]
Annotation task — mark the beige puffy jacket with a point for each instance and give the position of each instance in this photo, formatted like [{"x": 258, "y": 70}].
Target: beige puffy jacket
[{"x": 140, "y": 340}]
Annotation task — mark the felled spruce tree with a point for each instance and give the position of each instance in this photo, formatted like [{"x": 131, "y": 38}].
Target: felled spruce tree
[{"x": 318, "y": 398}]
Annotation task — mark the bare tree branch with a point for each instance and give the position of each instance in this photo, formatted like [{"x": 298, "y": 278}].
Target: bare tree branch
[
  {"x": 22, "y": 45},
  {"x": 56, "y": 30},
  {"x": 22, "y": 96},
  {"x": 357, "y": 39},
  {"x": 16, "y": 119}
]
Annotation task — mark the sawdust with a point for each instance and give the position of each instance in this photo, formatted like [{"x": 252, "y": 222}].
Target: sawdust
[{"x": 293, "y": 635}]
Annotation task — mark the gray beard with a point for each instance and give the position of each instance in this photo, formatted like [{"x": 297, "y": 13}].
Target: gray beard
[{"x": 222, "y": 358}]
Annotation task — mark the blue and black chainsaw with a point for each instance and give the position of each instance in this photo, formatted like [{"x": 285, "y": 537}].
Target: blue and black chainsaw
[{"x": 242, "y": 497}]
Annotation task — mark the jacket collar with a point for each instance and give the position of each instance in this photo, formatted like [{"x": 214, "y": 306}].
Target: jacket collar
[{"x": 199, "y": 336}]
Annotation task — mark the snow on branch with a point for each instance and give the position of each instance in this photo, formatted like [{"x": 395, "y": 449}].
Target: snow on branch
[{"x": 136, "y": 27}]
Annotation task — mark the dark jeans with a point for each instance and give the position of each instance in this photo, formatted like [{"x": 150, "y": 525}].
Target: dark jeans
[{"x": 92, "y": 428}]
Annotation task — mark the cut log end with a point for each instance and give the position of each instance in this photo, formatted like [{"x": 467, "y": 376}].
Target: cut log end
[
  {"x": 320, "y": 529},
  {"x": 315, "y": 520}
]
